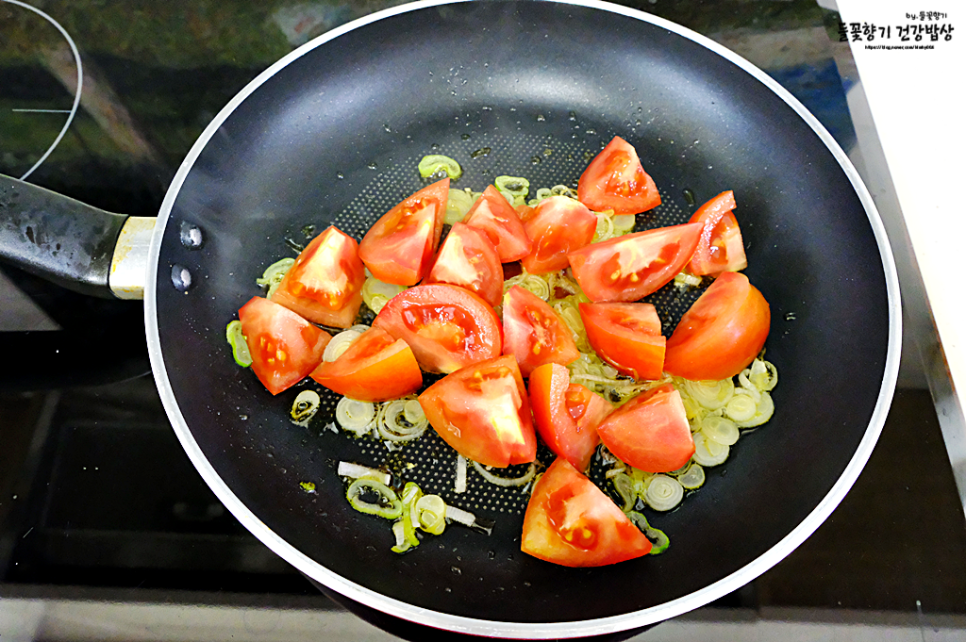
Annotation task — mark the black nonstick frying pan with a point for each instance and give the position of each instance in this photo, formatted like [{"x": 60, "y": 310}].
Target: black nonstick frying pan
[{"x": 332, "y": 134}]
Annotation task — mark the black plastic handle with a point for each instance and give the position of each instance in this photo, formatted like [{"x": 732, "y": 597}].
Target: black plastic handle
[{"x": 56, "y": 237}]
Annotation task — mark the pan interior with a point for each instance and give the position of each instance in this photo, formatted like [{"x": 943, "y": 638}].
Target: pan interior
[{"x": 534, "y": 90}]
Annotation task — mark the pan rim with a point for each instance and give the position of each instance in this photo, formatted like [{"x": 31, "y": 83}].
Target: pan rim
[{"x": 530, "y": 630}]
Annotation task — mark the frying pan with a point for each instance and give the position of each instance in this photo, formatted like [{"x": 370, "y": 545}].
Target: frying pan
[{"x": 331, "y": 134}]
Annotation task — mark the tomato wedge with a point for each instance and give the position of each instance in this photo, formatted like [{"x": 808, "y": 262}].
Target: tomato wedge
[
  {"x": 399, "y": 248},
  {"x": 627, "y": 336},
  {"x": 571, "y": 522},
  {"x": 615, "y": 180},
  {"x": 374, "y": 368},
  {"x": 324, "y": 285},
  {"x": 493, "y": 214},
  {"x": 284, "y": 346},
  {"x": 533, "y": 332},
  {"x": 629, "y": 267},
  {"x": 468, "y": 258},
  {"x": 721, "y": 333},
  {"x": 720, "y": 248},
  {"x": 566, "y": 414},
  {"x": 559, "y": 225},
  {"x": 483, "y": 413},
  {"x": 447, "y": 327},
  {"x": 650, "y": 432}
]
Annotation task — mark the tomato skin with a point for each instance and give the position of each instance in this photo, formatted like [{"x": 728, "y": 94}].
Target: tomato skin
[
  {"x": 399, "y": 248},
  {"x": 571, "y": 522},
  {"x": 447, "y": 327},
  {"x": 722, "y": 332},
  {"x": 493, "y": 214},
  {"x": 632, "y": 266},
  {"x": 324, "y": 285},
  {"x": 284, "y": 346},
  {"x": 566, "y": 414},
  {"x": 615, "y": 180},
  {"x": 482, "y": 411},
  {"x": 467, "y": 258},
  {"x": 650, "y": 432},
  {"x": 533, "y": 332},
  {"x": 720, "y": 247},
  {"x": 627, "y": 336},
  {"x": 559, "y": 225},
  {"x": 374, "y": 368}
]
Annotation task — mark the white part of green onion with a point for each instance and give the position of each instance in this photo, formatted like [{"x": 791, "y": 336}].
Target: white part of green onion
[
  {"x": 663, "y": 493},
  {"x": 439, "y": 166},
  {"x": 355, "y": 416},
  {"x": 399, "y": 531},
  {"x": 741, "y": 408},
  {"x": 339, "y": 344},
  {"x": 460, "y": 486},
  {"x": 693, "y": 478},
  {"x": 710, "y": 394},
  {"x": 457, "y": 206},
  {"x": 358, "y": 471},
  {"x": 763, "y": 375},
  {"x": 430, "y": 514},
  {"x": 720, "y": 430},
  {"x": 274, "y": 274},
  {"x": 376, "y": 293},
  {"x": 764, "y": 411},
  {"x": 707, "y": 452},
  {"x": 503, "y": 481},
  {"x": 531, "y": 283},
  {"x": 459, "y": 515},
  {"x": 305, "y": 406},
  {"x": 624, "y": 223},
  {"x": 389, "y": 422},
  {"x": 239, "y": 345}
]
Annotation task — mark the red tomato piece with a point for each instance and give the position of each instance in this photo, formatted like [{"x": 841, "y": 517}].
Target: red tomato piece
[
  {"x": 566, "y": 414},
  {"x": 284, "y": 346},
  {"x": 571, "y": 522},
  {"x": 559, "y": 225},
  {"x": 324, "y": 285},
  {"x": 482, "y": 411},
  {"x": 533, "y": 332},
  {"x": 447, "y": 327},
  {"x": 615, "y": 180},
  {"x": 399, "y": 247},
  {"x": 493, "y": 214},
  {"x": 632, "y": 266},
  {"x": 374, "y": 368},
  {"x": 468, "y": 258},
  {"x": 650, "y": 432},
  {"x": 720, "y": 248},
  {"x": 627, "y": 336},
  {"x": 721, "y": 333}
]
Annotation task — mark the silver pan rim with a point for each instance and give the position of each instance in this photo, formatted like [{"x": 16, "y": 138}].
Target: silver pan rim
[{"x": 529, "y": 630}]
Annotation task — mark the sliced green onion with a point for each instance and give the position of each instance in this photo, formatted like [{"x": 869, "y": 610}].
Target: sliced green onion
[
  {"x": 393, "y": 425},
  {"x": 401, "y": 544},
  {"x": 239, "y": 345},
  {"x": 503, "y": 481},
  {"x": 460, "y": 486},
  {"x": 685, "y": 280},
  {"x": 376, "y": 293},
  {"x": 358, "y": 471},
  {"x": 430, "y": 514},
  {"x": 605, "y": 228},
  {"x": 707, "y": 452},
  {"x": 624, "y": 485},
  {"x": 274, "y": 274},
  {"x": 693, "y": 478},
  {"x": 624, "y": 223},
  {"x": 659, "y": 541},
  {"x": 388, "y": 505},
  {"x": 765, "y": 409},
  {"x": 411, "y": 494},
  {"x": 355, "y": 416},
  {"x": 413, "y": 411},
  {"x": 339, "y": 343},
  {"x": 710, "y": 394},
  {"x": 305, "y": 406},
  {"x": 663, "y": 493},
  {"x": 438, "y": 166},
  {"x": 563, "y": 190},
  {"x": 514, "y": 188},
  {"x": 460, "y": 516},
  {"x": 720, "y": 430},
  {"x": 531, "y": 283},
  {"x": 457, "y": 205},
  {"x": 741, "y": 408},
  {"x": 763, "y": 375},
  {"x": 747, "y": 388}
]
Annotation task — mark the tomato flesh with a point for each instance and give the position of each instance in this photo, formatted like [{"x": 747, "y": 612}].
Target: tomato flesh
[
  {"x": 615, "y": 180},
  {"x": 566, "y": 414},
  {"x": 324, "y": 285},
  {"x": 285, "y": 348},
  {"x": 399, "y": 248},
  {"x": 482, "y": 411},
  {"x": 722, "y": 332},
  {"x": 493, "y": 214},
  {"x": 571, "y": 522},
  {"x": 533, "y": 332},
  {"x": 468, "y": 258},
  {"x": 374, "y": 368},
  {"x": 559, "y": 225},
  {"x": 447, "y": 327},
  {"x": 632, "y": 266},
  {"x": 720, "y": 247},
  {"x": 627, "y": 336},
  {"x": 650, "y": 432}
]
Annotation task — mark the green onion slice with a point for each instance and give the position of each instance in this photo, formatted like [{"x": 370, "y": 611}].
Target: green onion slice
[
  {"x": 411, "y": 495},
  {"x": 514, "y": 188},
  {"x": 274, "y": 274},
  {"x": 437, "y": 165},
  {"x": 430, "y": 513},
  {"x": 457, "y": 205},
  {"x": 239, "y": 346},
  {"x": 693, "y": 478},
  {"x": 663, "y": 493},
  {"x": 765, "y": 409},
  {"x": 305, "y": 406},
  {"x": 388, "y": 504},
  {"x": 624, "y": 486},
  {"x": 402, "y": 545},
  {"x": 659, "y": 541}
]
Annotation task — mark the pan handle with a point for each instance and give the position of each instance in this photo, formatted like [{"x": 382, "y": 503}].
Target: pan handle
[{"x": 75, "y": 245}]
